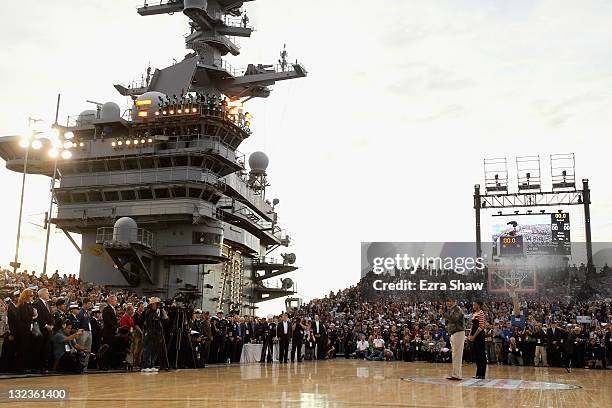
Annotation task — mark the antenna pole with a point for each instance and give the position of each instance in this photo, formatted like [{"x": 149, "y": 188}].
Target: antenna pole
[{"x": 59, "y": 97}]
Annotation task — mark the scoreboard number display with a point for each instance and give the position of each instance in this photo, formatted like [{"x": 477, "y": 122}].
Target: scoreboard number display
[
  {"x": 560, "y": 228},
  {"x": 511, "y": 245}
]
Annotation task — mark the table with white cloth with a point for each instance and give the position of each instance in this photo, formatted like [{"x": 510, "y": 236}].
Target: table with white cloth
[{"x": 251, "y": 353}]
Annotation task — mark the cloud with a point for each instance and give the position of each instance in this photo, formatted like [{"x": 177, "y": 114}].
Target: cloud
[{"x": 557, "y": 113}]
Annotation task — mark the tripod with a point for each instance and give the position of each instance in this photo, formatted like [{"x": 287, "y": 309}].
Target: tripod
[
  {"x": 180, "y": 326},
  {"x": 164, "y": 345}
]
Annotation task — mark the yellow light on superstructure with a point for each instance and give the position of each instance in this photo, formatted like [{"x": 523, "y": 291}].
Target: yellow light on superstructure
[
  {"x": 172, "y": 111},
  {"x": 142, "y": 141},
  {"x": 144, "y": 102},
  {"x": 150, "y": 140},
  {"x": 113, "y": 144},
  {"x": 248, "y": 116},
  {"x": 179, "y": 111},
  {"x": 194, "y": 110},
  {"x": 156, "y": 113},
  {"x": 128, "y": 142},
  {"x": 119, "y": 143},
  {"x": 143, "y": 114}
]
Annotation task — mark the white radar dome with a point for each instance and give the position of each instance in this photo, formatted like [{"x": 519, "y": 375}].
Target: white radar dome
[
  {"x": 87, "y": 117},
  {"x": 125, "y": 230},
  {"x": 110, "y": 111},
  {"x": 258, "y": 162}
]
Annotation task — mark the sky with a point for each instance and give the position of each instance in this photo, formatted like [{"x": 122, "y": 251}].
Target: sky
[{"x": 385, "y": 138}]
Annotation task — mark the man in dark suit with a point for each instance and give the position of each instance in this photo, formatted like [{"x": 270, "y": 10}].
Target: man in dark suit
[
  {"x": 267, "y": 331},
  {"x": 46, "y": 323},
  {"x": 297, "y": 329},
  {"x": 555, "y": 341},
  {"x": 283, "y": 332},
  {"x": 109, "y": 320},
  {"x": 320, "y": 334},
  {"x": 109, "y": 328}
]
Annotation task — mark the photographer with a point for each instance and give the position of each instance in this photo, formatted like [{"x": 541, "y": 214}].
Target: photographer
[
  {"x": 298, "y": 328},
  {"x": 153, "y": 334},
  {"x": 69, "y": 356},
  {"x": 349, "y": 342},
  {"x": 310, "y": 344},
  {"x": 515, "y": 355},
  {"x": 268, "y": 331},
  {"x": 378, "y": 352}
]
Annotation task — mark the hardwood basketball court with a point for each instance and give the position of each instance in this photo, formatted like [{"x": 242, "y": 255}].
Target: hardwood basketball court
[{"x": 336, "y": 383}]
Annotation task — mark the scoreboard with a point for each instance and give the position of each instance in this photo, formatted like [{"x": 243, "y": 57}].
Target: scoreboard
[
  {"x": 511, "y": 245},
  {"x": 560, "y": 228}
]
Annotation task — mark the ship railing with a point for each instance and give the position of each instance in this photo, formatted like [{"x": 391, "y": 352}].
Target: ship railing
[
  {"x": 278, "y": 284},
  {"x": 253, "y": 69},
  {"x": 203, "y": 144},
  {"x": 143, "y": 236},
  {"x": 253, "y": 217},
  {"x": 187, "y": 143},
  {"x": 226, "y": 66},
  {"x": 267, "y": 260},
  {"x": 202, "y": 41},
  {"x": 143, "y": 176},
  {"x": 232, "y": 21},
  {"x": 148, "y": 3},
  {"x": 225, "y": 113},
  {"x": 81, "y": 120}
]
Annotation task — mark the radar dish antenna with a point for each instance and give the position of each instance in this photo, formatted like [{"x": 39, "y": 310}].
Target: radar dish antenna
[
  {"x": 258, "y": 162},
  {"x": 283, "y": 58}
]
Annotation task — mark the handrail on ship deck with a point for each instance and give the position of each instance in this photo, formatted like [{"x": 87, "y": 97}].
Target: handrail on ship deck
[
  {"x": 144, "y": 237},
  {"x": 274, "y": 229},
  {"x": 257, "y": 69},
  {"x": 228, "y": 20},
  {"x": 238, "y": 120},
  {"x": 141, "y": 176}
]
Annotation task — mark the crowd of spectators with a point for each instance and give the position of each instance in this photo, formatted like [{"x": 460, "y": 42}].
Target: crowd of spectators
[
  {"x": 59, "y": 323},
  {"x": 540, "y": 329}
]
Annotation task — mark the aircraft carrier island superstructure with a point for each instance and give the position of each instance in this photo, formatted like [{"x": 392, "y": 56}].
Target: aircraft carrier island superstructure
[{"x": 160, "y": 194}]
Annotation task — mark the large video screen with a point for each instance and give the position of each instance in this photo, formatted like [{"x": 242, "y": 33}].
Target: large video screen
[{"x": 538, "y": 234}]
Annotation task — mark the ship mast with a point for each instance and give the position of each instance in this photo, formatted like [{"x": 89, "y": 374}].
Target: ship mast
[{"x": 214, "y": 25}]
